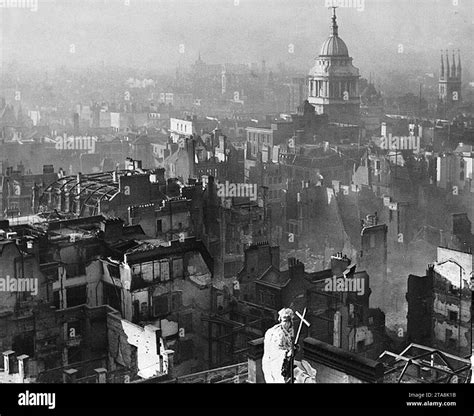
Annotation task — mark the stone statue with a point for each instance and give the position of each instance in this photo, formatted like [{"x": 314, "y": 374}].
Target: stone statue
[
  {"x": 278, "y": 363},
  {"x": 278, "y": 347}
]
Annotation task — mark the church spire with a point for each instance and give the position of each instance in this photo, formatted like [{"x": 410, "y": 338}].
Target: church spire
[
  {"x": 459, "y": 64},
  {"x": 447, "y": 64},
  {"x": 453, "y": 67},
  {"x": 441, "y": 75},
  {"x": 334, "y": 27}
]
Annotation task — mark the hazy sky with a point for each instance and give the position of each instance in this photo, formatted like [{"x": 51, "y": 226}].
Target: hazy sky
[{"x": 148, "y": 33}]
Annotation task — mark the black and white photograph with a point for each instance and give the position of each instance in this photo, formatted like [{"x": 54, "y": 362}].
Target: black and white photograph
[{"x": 236, "y": 192}]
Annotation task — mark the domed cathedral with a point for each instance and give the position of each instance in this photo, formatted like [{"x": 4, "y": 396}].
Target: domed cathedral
[
  {"x": 450, "y": 77},
  {"x": 333, "y": 84}
]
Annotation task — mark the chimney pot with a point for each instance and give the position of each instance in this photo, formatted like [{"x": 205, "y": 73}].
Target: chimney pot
[{"x": 8, "y": 361}]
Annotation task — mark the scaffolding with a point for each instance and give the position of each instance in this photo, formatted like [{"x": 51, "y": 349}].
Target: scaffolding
[
  {"x": 421, "y": 364},
  {"x": 230, "y": 331}
]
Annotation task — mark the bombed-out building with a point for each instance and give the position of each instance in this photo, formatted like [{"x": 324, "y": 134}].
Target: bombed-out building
[
  {"x": 109, "y": 192},
  {"x": 439, "y": 304}
]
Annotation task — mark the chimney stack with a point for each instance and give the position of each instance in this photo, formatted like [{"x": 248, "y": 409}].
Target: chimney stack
[
  {"x": 23, "y": 370},
  {"x": 8, "y": 361},
  {"x": 295, "y": 268},
  {"x": 339, "y": 263}
]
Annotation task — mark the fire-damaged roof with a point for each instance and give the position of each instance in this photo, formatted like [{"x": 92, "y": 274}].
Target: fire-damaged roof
[
  {"x": 152, "y": 249},
  {"x": 88, "y": 190}
]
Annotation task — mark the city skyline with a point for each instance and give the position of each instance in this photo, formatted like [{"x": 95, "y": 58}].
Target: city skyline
[
  {"x": 165, "y": 34},
  {"x": 237, "y": 191}
]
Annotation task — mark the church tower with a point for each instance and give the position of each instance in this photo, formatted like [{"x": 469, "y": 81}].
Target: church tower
[
  {"x": 450, "y": 78},
  {"x": 333, "y": 82}
]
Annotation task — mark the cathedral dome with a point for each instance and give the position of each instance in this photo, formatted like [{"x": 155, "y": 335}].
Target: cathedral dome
[{"x": 334, "y": 46}]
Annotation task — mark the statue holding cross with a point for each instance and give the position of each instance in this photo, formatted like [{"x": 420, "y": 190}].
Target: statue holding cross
[{"x": 280, "y": 347}]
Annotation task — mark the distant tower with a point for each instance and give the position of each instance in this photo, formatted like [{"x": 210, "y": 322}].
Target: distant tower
[
  {"x": 450, "y": 78},
  {"x": 223, "y": 80},
  {"x": 333, "y": 84},
  {"x": 459, "y": 66}
]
